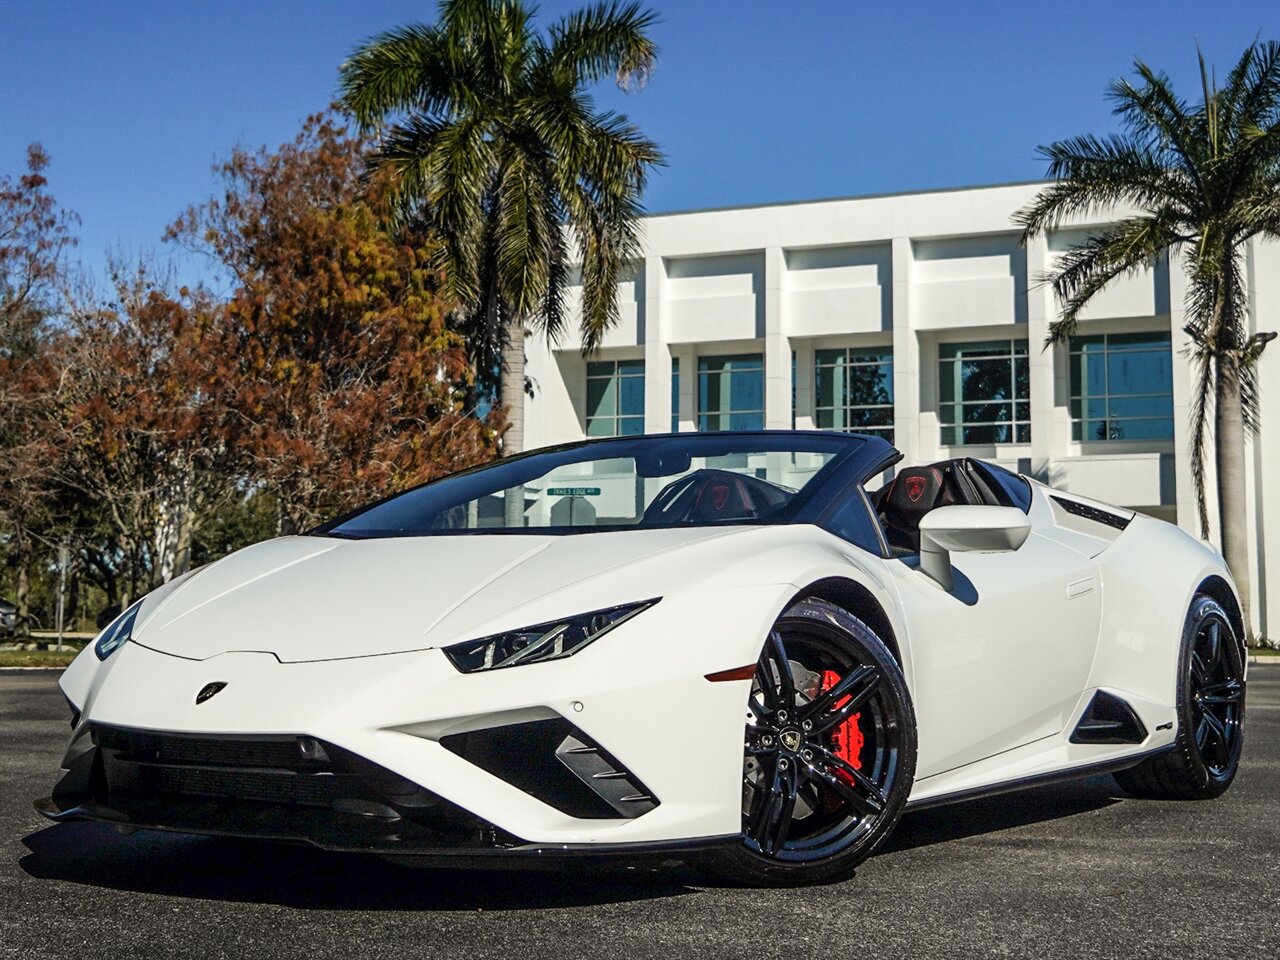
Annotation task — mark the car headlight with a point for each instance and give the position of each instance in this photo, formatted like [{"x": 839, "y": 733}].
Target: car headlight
[
  {"x": 554, "y": 640},
  {"x": 118, "y": 631}
]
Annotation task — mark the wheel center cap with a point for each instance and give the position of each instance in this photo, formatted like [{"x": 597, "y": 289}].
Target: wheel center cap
[{"x": 790, "y": 739}]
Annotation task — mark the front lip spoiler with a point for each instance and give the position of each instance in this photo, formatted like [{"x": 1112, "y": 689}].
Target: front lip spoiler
[{"x": 520, "y": 854}]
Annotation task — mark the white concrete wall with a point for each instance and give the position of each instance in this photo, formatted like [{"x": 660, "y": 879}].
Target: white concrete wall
[{"x": 913, "y": 271}]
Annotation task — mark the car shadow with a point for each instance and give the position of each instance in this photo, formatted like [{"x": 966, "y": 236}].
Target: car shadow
[
  {"x": 923, "y": 828},
  {"x": 217, "y": 868}
]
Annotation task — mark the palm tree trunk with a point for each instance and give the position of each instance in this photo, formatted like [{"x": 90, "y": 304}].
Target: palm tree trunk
[
  {"x": 512, "y": 396},
  {"x": 1229, "y": 441}
]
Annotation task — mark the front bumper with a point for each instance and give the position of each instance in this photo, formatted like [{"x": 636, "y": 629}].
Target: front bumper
[{"x": 639, "y": 698}]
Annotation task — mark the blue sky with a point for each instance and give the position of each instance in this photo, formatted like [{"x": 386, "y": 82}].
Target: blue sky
[{"x": 754, "y": 100}]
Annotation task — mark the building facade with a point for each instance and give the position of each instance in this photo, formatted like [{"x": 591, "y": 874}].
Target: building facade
[{"x": 918, "y": 317}]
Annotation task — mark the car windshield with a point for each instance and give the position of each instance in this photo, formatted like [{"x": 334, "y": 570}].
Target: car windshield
[{"x": 627, "y": 483}]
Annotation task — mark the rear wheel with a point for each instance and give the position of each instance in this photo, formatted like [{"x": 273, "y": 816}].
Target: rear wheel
[
  {"x": 830, "y": 750},
  {"x": 1210, "y": 704}
]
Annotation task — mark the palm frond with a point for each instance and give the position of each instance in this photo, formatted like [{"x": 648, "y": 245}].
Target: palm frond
[
  {"x": 1252, "y": 91},
  {"x": 1093, "y": 175},
  {"x": 407, "y": 69},
  {"x": 495, "y": 144},
  {"x": 605, "y": 39},
  {"x": 1158, "y": 118},
  {"x": 1119, "y": 249},
  {"x": 1201, "y": 410},
  {"x": 441, "y": 174},
  {"x": 526, "y": 224}
]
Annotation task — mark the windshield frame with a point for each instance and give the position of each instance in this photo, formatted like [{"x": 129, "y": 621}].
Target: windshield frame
[{"x": 855, "y": 457}]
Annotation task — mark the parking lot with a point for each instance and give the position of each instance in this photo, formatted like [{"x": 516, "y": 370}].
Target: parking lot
[{"x": 1072, "y": 871}]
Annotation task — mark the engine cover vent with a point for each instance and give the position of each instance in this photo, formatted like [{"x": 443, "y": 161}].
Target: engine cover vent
[{"x": 1079, "y": 509}]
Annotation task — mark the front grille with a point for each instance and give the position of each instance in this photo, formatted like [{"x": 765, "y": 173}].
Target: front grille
[
  {"x": 278, "y": 770},
  {"x": 282, "y": 787},
  {"x": 250, "y": 785},
  {"x": 145, "y": 747}
]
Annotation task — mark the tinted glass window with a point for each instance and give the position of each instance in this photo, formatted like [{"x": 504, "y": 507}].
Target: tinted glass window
[
  {"x": 615, "y": 398},
  {"x": 689, "y": 480},
  {"x": 1010, "y": 484},
  {"x": 1122, "y": 387},
  {"x": 855, "y": 521},
  {"x": 731, "y": 392},
  {"x": 984, "y": 390},
  {"x": 854, "y": 390}
]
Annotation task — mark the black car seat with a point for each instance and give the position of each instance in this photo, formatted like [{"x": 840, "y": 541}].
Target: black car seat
[
  {"x": 722, "y": 498},
  {"x": 913, "y": 493},
  {"x": 709, "y": 495}
]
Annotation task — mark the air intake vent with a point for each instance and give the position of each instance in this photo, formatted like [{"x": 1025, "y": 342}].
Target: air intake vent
[
  {"x": 1108, "y": 719},
  {"x": 1092, "y": 513},
  {"x": 559, "y": 764}
]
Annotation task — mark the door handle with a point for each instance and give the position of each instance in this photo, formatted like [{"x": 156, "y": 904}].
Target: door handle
[{"x": 1080, "y": 588}]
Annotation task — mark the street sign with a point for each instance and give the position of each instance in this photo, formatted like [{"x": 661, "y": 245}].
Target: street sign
[{"x": 573, "y": 491}]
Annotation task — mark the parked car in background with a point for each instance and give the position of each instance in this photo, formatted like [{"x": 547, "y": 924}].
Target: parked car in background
[{"x": 8, "y": 618}]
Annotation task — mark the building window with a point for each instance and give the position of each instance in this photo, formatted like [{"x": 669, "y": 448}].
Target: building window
[
  {"x": 731, "y": 392},
  {"x": 1122, "y": 387},
  {"x": 615, "y": 398},
  {"x": 984, "y": 391},
  {"x": 854, "y": 390},
  {"x": 675, "y": 395}
]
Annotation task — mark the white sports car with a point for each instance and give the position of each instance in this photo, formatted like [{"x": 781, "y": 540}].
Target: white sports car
[{"x": 722, "y": 644}]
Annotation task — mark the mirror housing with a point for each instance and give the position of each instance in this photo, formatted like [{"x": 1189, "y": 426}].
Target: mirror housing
[
  {"x": 977, "y": 529},
  {"x": 660, "y": 463}
]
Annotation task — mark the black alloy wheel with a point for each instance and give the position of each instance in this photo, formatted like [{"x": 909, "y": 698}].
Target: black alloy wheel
[
  {"x": 1210, "y": 703},
  {"x": 1216, "y": 695},
  {"x": 830, "y": 749}
]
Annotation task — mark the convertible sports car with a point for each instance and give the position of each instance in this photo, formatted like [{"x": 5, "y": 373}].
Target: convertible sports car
[{"x": 744, "y": 647}]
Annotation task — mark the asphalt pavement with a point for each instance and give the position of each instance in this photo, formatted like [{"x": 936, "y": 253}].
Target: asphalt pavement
[{"x": 1076, "y": 871}]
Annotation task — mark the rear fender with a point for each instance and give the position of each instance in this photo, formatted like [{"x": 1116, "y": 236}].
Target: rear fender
[{"x": 1149, "y": 577}]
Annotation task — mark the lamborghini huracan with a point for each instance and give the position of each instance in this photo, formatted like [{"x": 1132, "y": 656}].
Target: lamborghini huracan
[{"x": 754, "y": 649}]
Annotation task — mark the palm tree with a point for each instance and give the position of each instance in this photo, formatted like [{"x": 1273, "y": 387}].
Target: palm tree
[
  {"x": 490, "y": 137},
  {"x": 1206, "y": 179}
]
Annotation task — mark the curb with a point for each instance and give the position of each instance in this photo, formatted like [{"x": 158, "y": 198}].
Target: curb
[{"x": 4, "y": 670}]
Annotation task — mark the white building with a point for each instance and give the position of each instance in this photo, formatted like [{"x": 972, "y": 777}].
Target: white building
[{"x": 918, "y": 316}]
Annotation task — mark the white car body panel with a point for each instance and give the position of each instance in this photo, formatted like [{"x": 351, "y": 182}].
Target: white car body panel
[{"x": 338, "y": 640}]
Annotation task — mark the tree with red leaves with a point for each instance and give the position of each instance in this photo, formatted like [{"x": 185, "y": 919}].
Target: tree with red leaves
[
  {"x": 340, "y": 380},
  {"x": 34, "y": 234}
]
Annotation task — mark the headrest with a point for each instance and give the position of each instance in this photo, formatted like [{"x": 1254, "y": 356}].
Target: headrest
[
  {"x": 915, "y": 490},
  {"x": 722, "y": 497}
]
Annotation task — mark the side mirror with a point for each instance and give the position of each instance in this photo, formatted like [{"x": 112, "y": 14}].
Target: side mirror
[{"x": 968, "y": 528}]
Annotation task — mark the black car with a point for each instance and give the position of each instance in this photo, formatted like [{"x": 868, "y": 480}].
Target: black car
[{"x": 8, "y": 618}]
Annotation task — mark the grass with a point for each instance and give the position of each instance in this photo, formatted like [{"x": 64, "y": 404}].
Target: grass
[
  {"x": 1264, "y": 652},
  {"x": 37, "y": 658}
]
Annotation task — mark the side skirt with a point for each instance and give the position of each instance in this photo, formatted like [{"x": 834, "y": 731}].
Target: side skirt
[{"x": 1039, "y": 780}]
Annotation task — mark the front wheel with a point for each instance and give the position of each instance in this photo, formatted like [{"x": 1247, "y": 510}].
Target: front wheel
[{"x": 830, "y": 750}]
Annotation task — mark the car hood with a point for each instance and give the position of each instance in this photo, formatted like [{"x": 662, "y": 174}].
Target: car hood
[{"x": 318, "y": 598}]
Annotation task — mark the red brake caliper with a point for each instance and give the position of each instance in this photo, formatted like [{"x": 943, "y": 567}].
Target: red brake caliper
[{"x": 846, "y": 739}]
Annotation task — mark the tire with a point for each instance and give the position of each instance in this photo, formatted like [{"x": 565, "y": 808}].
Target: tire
[
  {"x": 825, "y": 775},
  {"x": 1210, "y": 710}
]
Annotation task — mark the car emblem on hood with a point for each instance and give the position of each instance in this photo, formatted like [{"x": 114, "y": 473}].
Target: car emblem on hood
[{"x": 209, "y": 690}]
